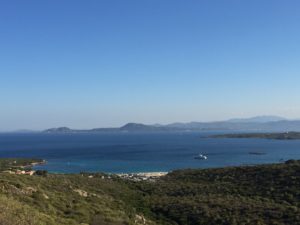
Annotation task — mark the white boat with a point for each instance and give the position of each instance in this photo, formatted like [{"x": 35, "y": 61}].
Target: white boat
[{"x": 200, "y": 156}]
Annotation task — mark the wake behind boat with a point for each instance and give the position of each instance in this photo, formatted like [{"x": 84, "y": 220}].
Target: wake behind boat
[{"x": 201, "y": 156}]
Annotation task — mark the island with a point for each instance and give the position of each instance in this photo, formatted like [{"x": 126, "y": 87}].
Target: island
[{"x": 277, "y": 136}]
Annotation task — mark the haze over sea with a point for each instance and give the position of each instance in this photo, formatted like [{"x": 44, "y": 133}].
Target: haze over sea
[{"x": 142, "y": 152}]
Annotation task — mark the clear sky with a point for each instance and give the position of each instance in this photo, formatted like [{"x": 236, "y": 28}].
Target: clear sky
[{"x": 96, "y": 63}]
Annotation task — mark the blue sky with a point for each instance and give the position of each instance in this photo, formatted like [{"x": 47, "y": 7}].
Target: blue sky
[{"x": 99, "y": 63}]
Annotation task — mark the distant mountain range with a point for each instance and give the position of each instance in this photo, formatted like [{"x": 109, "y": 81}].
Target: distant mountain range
[
  {"x": 259, "y": 123},
  {"x": 258, "y": 119}
]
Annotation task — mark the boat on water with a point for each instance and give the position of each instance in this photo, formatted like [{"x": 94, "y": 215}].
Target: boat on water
[{"x": 201, "y": 156}]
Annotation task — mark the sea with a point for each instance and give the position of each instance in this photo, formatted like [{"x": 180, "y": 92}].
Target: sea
[{"x": 142, "y": 152}]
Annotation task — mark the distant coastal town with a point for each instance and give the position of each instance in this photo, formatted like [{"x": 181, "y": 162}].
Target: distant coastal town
[
  {"x": 149, "y": 176},
  {"x": 20, "y": 166}
]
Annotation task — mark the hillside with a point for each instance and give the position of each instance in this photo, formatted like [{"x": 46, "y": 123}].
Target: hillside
[
  {"x": 266, "y": 194},
  {"x": 65, "y": 200}
]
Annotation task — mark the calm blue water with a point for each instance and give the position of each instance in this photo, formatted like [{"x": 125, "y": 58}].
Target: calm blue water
[{"x": 136, "y": 152}]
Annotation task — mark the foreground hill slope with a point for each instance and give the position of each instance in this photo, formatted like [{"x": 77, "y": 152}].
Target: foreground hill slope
[
  {"x": 266, "y": 194},
  {"x": 65, "y": 199}
]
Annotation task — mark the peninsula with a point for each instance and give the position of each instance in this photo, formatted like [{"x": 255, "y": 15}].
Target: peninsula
[{"x": 276, "y": 136}]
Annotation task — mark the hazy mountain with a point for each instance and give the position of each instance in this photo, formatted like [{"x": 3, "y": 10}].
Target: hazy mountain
[
  {"x": 260, "y": 123},
  {"x": 59, "y": 130},
  {"x": 276, "y": 126},
  {"x": 142, "y": 127},
  {"x": 257, "y": 119},
  {"x": 137, "y": 127}
]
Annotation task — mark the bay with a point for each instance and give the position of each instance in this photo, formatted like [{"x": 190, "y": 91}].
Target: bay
[{"x": 142, "y": 152}]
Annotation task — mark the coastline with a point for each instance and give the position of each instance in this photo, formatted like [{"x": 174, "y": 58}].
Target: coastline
[
  {"x": 135, "y": 176},
  {"x": 43, "y": 162},
  {"x": 150, "y": 174}
]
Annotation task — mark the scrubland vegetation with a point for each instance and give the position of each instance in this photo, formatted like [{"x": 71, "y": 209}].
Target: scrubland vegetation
[{"x": 266, "y": 194}]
